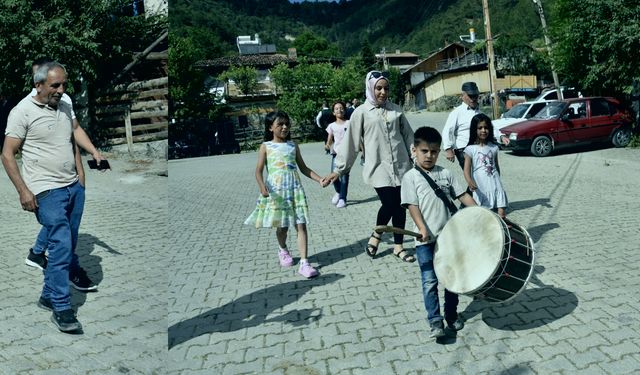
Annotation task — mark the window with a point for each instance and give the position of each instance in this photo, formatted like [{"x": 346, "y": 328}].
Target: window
[{"x": 600, "y": 107}]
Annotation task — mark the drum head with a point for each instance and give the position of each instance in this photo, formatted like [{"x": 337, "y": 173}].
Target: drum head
[{"x": 469, "y": 249}]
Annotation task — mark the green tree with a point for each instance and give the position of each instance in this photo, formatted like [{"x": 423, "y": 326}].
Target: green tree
[
  {"x": 312, "y": 45},
  {"x": 347, "y": 82},
  {"x": 245, "y": 77},
  {"x": 597, "y": 43},
  {"x": 368, "y": 57},
  {"x": 301, "y": 90},
  {"x": 82, "y": 37}
]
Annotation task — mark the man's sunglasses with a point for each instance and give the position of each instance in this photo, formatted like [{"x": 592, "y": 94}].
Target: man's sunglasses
[{"x": 376, "y": 74}]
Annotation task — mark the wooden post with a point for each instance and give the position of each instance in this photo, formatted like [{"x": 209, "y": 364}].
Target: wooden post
[
  {"x": 547, "y": 42},
  {"x": 492, "y": 63},
  {"x": 127, "y": 129}
]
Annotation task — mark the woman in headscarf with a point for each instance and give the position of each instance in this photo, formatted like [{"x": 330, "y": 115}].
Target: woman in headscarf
[{"x": 387, "y": 138}]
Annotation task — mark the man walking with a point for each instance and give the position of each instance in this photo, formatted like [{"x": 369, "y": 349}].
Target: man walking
[
  {"x": 41, "y": 127},
  {"x": 36, "y": 256}
]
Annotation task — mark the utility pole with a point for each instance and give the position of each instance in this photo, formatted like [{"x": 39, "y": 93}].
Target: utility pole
[
  {"x": 547, "y": 41},
  {"x": 492, "y": 66}
]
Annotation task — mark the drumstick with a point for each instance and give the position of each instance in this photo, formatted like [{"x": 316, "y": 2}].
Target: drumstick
[{"x": 387, "y": 228}]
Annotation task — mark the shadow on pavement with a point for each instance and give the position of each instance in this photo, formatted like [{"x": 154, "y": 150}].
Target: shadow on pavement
[
  {"x": 328, "y": 257},
  {"x": 91, "y": 264},
  {"x": 353, "y": 202},
  {"x": 523, "y": 205},
  {"x": 252, "y": 310},
  {"x": 531, "y": 309},
  {"x": 539, "y": 230}
]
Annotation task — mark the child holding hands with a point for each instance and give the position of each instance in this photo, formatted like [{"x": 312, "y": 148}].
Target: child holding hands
[{"x": 282, "y": 202}]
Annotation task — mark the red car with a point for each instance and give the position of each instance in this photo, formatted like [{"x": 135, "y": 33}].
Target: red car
[{"x": 571, "y": 122}]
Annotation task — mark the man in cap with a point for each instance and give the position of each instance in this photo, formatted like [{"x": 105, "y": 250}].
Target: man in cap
[{"x": 455, "y": 134}]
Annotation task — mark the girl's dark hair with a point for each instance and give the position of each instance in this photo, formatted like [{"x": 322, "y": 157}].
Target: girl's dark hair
[
  {"x": 338, "y": 102},
  {"x": 270, "y": 118},
  {"x": 473, "y": 129}
]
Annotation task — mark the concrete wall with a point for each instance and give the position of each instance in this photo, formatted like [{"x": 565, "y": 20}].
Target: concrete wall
[{"x": 451, "y": 83}]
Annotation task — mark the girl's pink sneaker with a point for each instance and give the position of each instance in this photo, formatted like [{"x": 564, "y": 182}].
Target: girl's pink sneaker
[
  {"x": 285, "y": 258},
  {"x": 307, "y": 271}
]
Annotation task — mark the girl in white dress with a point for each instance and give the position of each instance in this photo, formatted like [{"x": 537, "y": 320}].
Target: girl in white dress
[{"x": 481, "y": 167}]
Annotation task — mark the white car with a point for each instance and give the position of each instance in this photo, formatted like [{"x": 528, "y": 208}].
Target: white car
[{"x": 518, "y": 113}]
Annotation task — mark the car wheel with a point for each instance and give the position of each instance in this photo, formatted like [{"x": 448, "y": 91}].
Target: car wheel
[
  {"x": 621, "y": 137},
  {"x": 541, "y": 146}
]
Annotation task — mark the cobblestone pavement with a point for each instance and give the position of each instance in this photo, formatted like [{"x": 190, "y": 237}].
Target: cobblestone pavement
[
  {"x": 122, "y": 245},
  {"x": 234, "y": 310}
]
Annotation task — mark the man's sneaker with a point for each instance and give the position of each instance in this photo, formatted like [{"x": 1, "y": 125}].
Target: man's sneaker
[
  {"x": 437, "y": 330},
  {"x": 66, "y": 321},
  {"x": 285, "y": 258},
  {"x": 341, "y": 203},
  {"x": 36, "y": 260},
  {"x": 335, "y": 198},
  {"x": 457, "y": 325},
  {"x": 45, "y": 304},
  {"x": 307, "y": 271},
  {"x": 81, "y": 281}
]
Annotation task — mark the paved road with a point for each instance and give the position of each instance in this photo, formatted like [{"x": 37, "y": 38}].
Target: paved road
[
  {"x": 123, "y": 247},
  {"x": 233, "y": 310}
]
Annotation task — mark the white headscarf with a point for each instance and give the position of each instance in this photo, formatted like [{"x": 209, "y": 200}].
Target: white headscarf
[{"x": 370, "y": 84}]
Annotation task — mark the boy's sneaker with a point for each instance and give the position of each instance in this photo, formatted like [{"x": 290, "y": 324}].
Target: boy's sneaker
[
  {"x": 335, "y": 198},
  {"x": 66, "y": 321},
  {"x": 457, "y": 325},
  {"x": 307, "y": 271},
  {"x": 341, "y": 203},
  {"x": 36, "y": 260},
  {"x": 80, "y": 281},
  {"x": 45, "y": 304},
  {"x": 285, "y": 258},
  {"x": 437, "y": 330}
]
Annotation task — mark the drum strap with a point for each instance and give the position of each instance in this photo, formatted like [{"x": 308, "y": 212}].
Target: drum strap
[{"x": 439, "y": 192}]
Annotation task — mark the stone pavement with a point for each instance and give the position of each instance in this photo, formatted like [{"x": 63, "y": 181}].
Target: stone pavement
[
  {"x": 122, "y": 245},
  {"x": 234, "y": 310}
]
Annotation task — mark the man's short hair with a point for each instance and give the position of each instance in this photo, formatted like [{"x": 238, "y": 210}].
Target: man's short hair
[
  {"x": 43, "y": 71},
  {"x": 426, "y": 134}
]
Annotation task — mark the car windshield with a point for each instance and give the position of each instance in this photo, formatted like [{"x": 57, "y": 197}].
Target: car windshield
[
  {"x": 516, "y": 111},
  {"x": 551, "y": 110}
]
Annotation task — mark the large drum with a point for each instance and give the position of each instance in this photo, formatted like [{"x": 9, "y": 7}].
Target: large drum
[{"x": 479, "y": 254}]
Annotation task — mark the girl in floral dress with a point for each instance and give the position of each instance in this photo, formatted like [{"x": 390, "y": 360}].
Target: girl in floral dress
[{"x": 282, "y": 202}]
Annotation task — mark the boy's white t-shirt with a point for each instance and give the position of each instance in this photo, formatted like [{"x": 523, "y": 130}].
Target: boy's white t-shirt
[
  {"x": 338, "y": 131},
  {"x": 415, "y": 190}
]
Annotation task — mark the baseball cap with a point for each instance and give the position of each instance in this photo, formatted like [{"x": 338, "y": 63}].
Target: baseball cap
[{"x": 470, "y": 88}]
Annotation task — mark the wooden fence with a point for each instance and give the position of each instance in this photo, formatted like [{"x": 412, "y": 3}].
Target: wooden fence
[{"x": 135, "y": 112}]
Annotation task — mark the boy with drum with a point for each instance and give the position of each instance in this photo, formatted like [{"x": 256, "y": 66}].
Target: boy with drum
[{"x": 425, "y": 192}]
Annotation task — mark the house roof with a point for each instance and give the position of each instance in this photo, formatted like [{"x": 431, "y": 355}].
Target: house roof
[
  {"x": 401, "y": 54},
  {"x": 244, "y": 60},
  {"x": 256, "y": 49},
  {"x": 433, "y": 55}
]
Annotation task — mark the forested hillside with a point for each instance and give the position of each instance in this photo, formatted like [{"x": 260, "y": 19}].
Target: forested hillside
[{"x": 418, "y": 26}]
